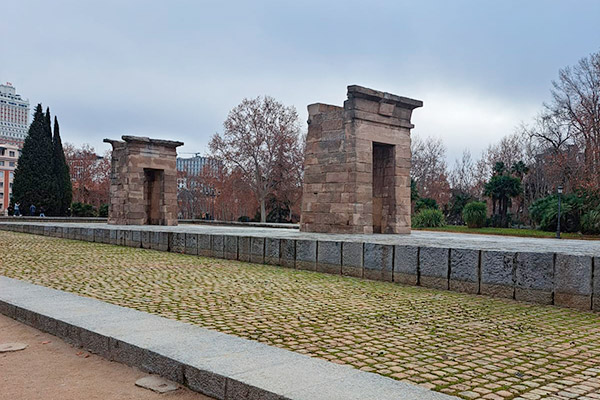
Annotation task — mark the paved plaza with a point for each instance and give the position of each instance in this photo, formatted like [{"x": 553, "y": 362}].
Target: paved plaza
[{"x": 465, "y": 345}]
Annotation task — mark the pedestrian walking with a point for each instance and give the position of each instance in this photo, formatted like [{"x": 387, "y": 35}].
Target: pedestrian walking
[
  {"x": 32, "y": 210},
  {"x": 17, "y": 212}
]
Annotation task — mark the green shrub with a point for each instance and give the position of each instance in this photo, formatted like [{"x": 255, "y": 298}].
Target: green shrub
[
  {"x": 103, "y": 210},
  {"x": 474, "y": 214},
  {"x": 428, "y": 218},
  {"x": 455, "y": 206},
  {"x": 590, "y": 222},
  {"x": 82, "y": 210},
  {"x": 425, "y": 203},
  {"x": 544, "y": 212}
]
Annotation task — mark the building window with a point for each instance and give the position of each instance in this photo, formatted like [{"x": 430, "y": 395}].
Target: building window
[{"x": 11, "y": 163}]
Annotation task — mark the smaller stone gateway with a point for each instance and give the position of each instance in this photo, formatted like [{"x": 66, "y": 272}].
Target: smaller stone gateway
[
  {"x": 357, "y": 164},
  {"x": 143, "y": 181}
]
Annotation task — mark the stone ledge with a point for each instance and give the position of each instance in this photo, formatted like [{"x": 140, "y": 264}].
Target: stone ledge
[{"x": 215, "y": 364}]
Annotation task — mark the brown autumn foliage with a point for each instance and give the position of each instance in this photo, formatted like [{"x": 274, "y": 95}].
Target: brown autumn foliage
[
  {"x": 90, "y": 174},
  {"x": 429, "y": 169},
  {"x": 216, "y": 194}
]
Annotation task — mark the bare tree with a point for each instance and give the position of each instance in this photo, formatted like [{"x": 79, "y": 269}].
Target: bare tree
[
  {"x": 462, "y": 176},
  {"x": 257, "y": 133},
  {"x": 551, "y": 130},
  {"x": 288, "y": 175},
  {"x": 509, "y": 150},
  {"x": 429, "y": 169},
  {"x": 576, "y": 101}
]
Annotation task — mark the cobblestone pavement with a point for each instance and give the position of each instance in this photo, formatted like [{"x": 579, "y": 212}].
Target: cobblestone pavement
[{"x": 465, "y": 345}]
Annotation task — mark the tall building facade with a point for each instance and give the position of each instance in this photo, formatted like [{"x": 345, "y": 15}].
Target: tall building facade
[
  {"x": 194, "y": 165},
  {"x": 191, "y": 167},
  {"x": 14, "y": 116},
  {"x": 9, "y": 154}
]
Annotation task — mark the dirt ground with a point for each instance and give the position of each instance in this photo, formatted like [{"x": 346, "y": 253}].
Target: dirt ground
[{"x": 51, "y": 369}]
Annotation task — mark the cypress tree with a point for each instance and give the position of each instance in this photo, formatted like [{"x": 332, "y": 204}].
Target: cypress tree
[
  {"x": 61, "y": 173},
  {"x": 52, "y": 207},
  {"x": 34, "y": 181},
  {"x": 48, "y": 124}
]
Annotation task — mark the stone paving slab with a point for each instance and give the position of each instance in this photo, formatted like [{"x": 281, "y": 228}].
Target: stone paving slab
[{"x": 216, "y": 364}]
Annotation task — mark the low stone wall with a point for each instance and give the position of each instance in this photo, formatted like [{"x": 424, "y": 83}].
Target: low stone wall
[{"x": 541, "y": 277}]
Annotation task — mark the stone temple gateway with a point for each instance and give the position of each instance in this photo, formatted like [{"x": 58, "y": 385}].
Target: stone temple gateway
[
  {"x": 143, "y": 182},
  {"x": 357, "y": 164}
]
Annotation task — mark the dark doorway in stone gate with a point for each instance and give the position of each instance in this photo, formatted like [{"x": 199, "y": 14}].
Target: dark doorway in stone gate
[
  {"x": 153, "y": 196},
  {"x": 384, "y": 200}
]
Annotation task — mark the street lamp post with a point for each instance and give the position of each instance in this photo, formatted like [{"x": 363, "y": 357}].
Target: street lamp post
[{"x": 559, "y": 190}]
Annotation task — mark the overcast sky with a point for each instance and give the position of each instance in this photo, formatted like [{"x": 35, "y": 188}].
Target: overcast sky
[{"x": 173, "y": 69}]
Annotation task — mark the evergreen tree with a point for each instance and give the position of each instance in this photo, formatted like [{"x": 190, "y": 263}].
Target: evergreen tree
[
  {"x": 48, "y": 124},
  {"x": 61, "y": 174},
  {"x": 54, "y": 201},
  {"x": 34, "y": 181}
]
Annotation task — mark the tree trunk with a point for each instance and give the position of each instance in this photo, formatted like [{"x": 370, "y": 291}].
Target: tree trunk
[{"x": 263, "y": 212}]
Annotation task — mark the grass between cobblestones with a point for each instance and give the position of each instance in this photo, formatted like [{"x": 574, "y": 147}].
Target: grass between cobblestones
[{"x": 464, "y": 345}]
